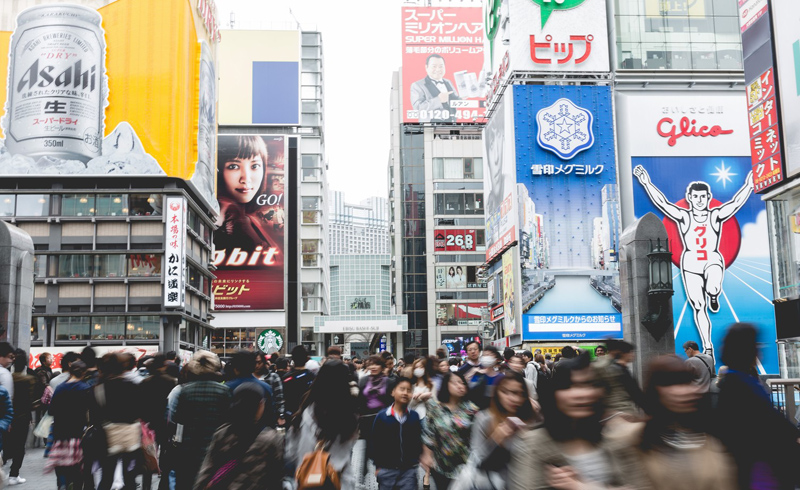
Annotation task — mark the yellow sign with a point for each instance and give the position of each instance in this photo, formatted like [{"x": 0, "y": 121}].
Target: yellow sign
[{"x": 509, "y": 299}]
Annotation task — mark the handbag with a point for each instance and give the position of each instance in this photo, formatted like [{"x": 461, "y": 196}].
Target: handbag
[
  {"x": 43, "y": 427},
  {"x": 93, "y": 443},
  {"x": 150, "y": 449}
]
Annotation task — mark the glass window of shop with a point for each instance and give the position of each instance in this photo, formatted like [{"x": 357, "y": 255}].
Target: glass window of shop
[
  {"x": 471, "y": 203},
  {"x": 143, "y": 327},
  {"x": 38, "y": 329},
  {"x": 310, "y": 253},
  {"x": 72, "y": 328},
  {"x": 144, "y": 265},
  {"x": 108, "y": 327},
  {"x": 75, "y": 266},
  {"x": 111, "y": 205},
  {"x": 110, "y": 265},
  {"x": 78, "y": 205},
  {"x": 226, "y": 341},
  {"x": 145, "y": 204},
  {"x": 678, "y": 35},
  {"x": 33, "y": 205},
  {"x": 7, "y": 205}
]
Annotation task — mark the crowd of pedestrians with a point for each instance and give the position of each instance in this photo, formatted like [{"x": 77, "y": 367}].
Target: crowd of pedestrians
[{"x": 492, "y": 421}]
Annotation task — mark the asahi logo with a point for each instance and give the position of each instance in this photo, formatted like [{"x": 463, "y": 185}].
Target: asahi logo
[{"x": 73, "y": 76}]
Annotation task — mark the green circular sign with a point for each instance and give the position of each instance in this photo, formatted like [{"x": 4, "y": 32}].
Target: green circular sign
[{"x": 269, "y": 341}]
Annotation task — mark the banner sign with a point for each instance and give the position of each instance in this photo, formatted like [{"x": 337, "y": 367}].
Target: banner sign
[
  {"x": 175, "y": 252},
  {"x": 442, "y": 61},
  {"x": 568, "y": 208},
  {"x": 499, "y": 181},
  {"x": 249, "y": 244},
  {"x": 509, "y": 298},
  {"x": 455, "y": 240},
  {"x": 719, "y": 241},
  {"x": 458, "y": 277}
]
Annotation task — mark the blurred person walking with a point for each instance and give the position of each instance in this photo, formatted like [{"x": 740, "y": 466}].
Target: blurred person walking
[
  {"x": 495, "y": 432},
  {"x": 763, "y": 442},
  {"x": 117, "y": 405},
  {"x": 422, "y": 370},
  {"x": 327, "y": 419},
  {"x": 571, "y": 450},
  {"x": 676, "y": 444},
  {"x": 202, "y": 405},
  {"x": 447, "y": 429},
  {"x": 273, "y": 379},
  {"x": 244, "y": 454},
  {"x": 24, "y": 388},
  {"x": 622, "y": 391},
  {"x": 155, "y": 391},
  {"x": 482, "y": 382},
  {"x": 69, "y": 407},
  {"x": 473, "y": 363},
  {"x": 296, "y": 382},
  {"x": 243, "y": 365},
  {"x": 375, "y": 394}
]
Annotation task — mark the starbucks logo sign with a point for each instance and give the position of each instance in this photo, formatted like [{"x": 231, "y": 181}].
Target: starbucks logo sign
[{"x": 269, "y": 341}]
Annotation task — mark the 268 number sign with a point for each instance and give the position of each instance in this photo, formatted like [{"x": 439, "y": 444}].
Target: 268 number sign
[{"x": 455, "y": 240}]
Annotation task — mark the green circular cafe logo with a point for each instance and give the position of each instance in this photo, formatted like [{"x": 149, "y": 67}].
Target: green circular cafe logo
[{"x": 269, "y": 341}]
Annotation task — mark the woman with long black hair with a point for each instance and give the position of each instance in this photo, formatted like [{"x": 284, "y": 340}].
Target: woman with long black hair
[
  {"x": 328, "y": 416},
  {"x": 571, "y": 451},
  {"x": 245, "y": 453}
]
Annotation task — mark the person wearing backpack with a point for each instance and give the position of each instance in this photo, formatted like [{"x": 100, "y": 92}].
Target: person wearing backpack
[
  {"x": 322, "y": 434},
  {"x": 395, "y": 444},
  {"x": 244, "y": 454}
]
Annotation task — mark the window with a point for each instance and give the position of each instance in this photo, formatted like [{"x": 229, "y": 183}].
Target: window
[
  {"x": 40, "y": 265},
  {"x": 33, "y": 205},
  {"x": 7, "y": 202},
  {"x": 471, "y": 203},
  {"x": 310, "y": 253},
  {"x": 75, "y": 266},
  {"x": 38, "y": 329},
  {"x": 458, "y": 168},
  {"x": 311, "y": 161},
  {"x": 78, "y": 205},
  {"x": 144, "y": 265},
  {"x": 310, "y": 203},
  {"x": 108, "y": 327},
  {"x": 144, "y": 327},
  {"x": 145, "y": 204},
  {"x": 110, "y": 266},
  {"x": 310, "y": 217},
  {"x": 72, "y": 328},
  {"x": 112, "y": 205},
  {"x": 195, "y": 278}
]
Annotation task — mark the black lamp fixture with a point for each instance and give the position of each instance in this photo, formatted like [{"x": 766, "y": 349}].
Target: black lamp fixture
[{"x": 660, "y": 288}]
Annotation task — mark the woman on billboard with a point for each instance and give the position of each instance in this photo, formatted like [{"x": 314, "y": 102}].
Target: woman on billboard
[{"x": 242, "y": 164}]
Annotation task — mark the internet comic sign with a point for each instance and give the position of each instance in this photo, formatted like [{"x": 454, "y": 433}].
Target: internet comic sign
[
  {"x": 718, "y": 236},
  {"x": 249, "y": 243},
  {"x": 569, "y": 213},
  {"x": 550, "y": 6}
]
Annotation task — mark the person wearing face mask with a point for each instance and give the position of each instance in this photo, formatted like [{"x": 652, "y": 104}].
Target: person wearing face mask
[
  {"x": 423, "y": 386},
  {"x": 482, "y": 384},
  {"x": 572, "y": 450}
]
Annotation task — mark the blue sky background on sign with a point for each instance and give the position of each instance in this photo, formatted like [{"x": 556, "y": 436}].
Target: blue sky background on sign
[
  {"x": 569, "y": 202},
  {"x": 747, "y": 285}
]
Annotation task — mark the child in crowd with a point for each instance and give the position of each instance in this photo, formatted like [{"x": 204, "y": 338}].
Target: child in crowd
[{"x": 396, "y": 441}]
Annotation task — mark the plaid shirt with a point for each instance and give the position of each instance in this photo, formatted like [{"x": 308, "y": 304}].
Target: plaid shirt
[
  {"x": 202, "y": 406},
  {"x": 274, "y": 381}
]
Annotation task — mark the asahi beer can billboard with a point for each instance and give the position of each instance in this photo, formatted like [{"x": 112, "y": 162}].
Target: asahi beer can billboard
[
  {"x": 57, "y": 83},
  {"x": 81, "y": 100}
]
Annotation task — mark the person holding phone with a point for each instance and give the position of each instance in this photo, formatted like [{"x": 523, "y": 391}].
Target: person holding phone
[{"x": 572, "y": 450}]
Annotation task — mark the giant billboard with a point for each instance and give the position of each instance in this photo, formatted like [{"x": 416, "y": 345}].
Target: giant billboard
[
  {"x": 786, "y": 37},
  {"x": 249, "y": 243},
  {"x": 94, "y": 92},
  {"x": 259, "y": 78},
  {"x": 567, "y": 185},
  {"x": 702, "y": 189},
  {"x": 442, "y": 63},
  {"x": 499, "y": 182}
]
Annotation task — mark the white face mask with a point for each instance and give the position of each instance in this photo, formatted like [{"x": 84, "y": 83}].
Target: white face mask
[
  {"x": 419, "y": 372},
  {"x": 488, "y": 361}
]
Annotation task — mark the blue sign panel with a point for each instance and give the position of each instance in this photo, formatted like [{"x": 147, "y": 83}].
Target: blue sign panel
[
  {"x": 720, "y": 248},
  {"x": 568, "y": 212}
]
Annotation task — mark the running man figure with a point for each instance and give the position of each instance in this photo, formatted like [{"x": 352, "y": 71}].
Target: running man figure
[{"x": 702, "y": 265}]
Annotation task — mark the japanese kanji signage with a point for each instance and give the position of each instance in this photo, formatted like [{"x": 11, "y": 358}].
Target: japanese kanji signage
[
  {"x": 762, "y": 99},
  {"x": 786, "y": 38},
  {"x": 442, "y": 61},
  {"x": 455, "y": 240},
  {"x": 568, "y": 210},
  {"x": 175, "y": 252},
  {"x": 249, "y": 245}
]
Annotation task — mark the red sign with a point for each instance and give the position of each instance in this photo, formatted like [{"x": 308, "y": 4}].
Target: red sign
[
  {"x": 668, "y": 128},
  {"x": 455, "y": 240},
  {"x": 765, "y": 145},
  {"x": 497, "y": 313},
  {"x": 544, "y": 51},
  {"x": 442, "y": 63}
]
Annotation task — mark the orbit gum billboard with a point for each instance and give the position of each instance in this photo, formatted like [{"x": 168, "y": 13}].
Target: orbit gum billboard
[{"x": 442, "y": 61}]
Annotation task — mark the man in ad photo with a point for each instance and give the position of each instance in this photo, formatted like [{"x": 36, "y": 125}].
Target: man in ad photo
[{"x": 433, "y": 94}]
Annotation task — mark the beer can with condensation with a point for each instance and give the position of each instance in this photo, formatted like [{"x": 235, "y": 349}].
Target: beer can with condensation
[{"x": 57, "y": 86}]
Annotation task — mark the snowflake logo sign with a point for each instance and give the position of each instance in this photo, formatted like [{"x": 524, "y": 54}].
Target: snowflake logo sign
[{"x": 565, "y": 129}]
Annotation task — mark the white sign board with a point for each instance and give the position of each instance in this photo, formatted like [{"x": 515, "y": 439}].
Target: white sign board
[
  {"x": 360, "y": 326},
  {"x": 174, "y": 253}
]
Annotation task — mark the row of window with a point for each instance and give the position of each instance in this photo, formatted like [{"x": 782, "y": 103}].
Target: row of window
[
  {"x": 81, "y": 205},
  {"x": 107, "y": 265},
  {"x": 112, "y": 327},
  {"x": 470, "y": 203},
  {"x": 458, "y": 168}
]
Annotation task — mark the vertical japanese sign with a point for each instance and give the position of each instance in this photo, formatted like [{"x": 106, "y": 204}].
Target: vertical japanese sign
[
  {"x": 442, "y": 61},
  {"x": 786, "y": 37},
  {"x": 509, "y": 298},
  {"x": 569, "y": 212},
  {"x": 249, "y": 244},
  {"x": 762, "y": 95},
  {"x": 174, "y": 253}
]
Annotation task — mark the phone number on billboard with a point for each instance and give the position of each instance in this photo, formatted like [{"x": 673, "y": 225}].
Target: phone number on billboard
[{"x": 442, "y": 114}]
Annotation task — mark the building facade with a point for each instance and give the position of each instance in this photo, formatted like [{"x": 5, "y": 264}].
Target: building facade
[{"x": 358, "y": 228}]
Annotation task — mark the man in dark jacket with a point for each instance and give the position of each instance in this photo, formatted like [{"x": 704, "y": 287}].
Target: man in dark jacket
[
  {"x": 395, "y": 444},
  {"x": 296, "y": 382}
]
